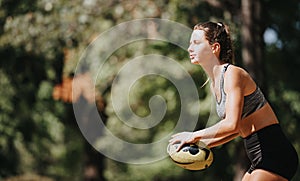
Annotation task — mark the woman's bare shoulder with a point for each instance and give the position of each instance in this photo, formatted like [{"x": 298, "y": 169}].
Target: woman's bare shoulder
[
  {"x": 236, "y": 73},
  {"x": 239, "y": 76}
]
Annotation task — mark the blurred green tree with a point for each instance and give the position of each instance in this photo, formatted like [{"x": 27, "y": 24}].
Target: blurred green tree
[{"x": 42, "y": 41}]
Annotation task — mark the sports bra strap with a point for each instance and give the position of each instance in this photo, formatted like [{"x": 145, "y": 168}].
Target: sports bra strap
[
  {"x": 222, "y": 76},
  {"x": 226, "y": 66}
]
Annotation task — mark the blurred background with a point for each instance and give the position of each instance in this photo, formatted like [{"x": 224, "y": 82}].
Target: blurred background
[{"x": 41, "y": 42}]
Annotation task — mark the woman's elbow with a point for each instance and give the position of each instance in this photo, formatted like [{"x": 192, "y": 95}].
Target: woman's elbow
[{"x": 233, "y": 127}]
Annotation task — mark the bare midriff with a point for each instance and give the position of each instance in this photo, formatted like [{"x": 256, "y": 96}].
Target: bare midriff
[{"x": 259, "y": 119}]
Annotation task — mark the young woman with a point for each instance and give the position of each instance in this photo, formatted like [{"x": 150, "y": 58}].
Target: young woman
[{"x": 242, "y": 107}]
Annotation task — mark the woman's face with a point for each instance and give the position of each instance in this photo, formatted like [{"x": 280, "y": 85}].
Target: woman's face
[{"x": 200, "y": 50}]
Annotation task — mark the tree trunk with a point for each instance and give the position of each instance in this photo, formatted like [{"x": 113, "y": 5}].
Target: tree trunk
[
  {"x": 93, "y": 161},
  {"x": 252, "y": 29},
  {"x": 94, "y": 165}
]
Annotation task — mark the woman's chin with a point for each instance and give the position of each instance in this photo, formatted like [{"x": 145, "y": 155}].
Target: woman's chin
[{"x": 194, "y": 61}]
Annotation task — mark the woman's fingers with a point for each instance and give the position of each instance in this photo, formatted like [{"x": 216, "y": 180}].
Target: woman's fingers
[
  {"x": 175, "y": 141},
  {"x": 181, "y": 139}
]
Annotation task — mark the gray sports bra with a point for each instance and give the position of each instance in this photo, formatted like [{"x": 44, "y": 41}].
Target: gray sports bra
[{"x": 252, "y": 102}]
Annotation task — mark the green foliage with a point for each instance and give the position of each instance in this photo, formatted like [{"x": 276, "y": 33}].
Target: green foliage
[{"x": 38, "y": 134}]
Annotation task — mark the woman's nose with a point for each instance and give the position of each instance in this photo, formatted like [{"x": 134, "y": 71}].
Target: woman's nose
[{"x": 190, "y": 49}]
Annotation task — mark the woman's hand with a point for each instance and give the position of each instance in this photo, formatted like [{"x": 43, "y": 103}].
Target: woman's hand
[{"x": 183, "y": 138}]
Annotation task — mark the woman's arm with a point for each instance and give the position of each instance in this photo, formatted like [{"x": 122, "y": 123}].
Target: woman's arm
[
  {"x": 233, "y": 86},
  {"x": 213, "y": 142}
]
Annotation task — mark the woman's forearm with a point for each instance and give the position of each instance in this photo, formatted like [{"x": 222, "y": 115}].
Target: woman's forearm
[
  {"x": 213, "y": 142},
  {"x": 222, "y": 129},
  {"x": 217, "y": 133}
]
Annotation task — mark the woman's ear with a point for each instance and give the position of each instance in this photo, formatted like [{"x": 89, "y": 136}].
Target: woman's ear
[{"x": 216, "y": 48}]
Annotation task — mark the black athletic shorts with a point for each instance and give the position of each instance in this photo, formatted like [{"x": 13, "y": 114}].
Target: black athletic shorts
[{"x": 269, "y": 149}]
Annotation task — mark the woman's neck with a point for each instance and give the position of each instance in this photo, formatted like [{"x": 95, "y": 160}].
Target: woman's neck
[{"x": 210, "y": 67}]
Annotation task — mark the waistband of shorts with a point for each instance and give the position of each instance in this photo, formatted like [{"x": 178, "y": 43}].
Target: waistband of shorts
[{"x": 268, "y": 129}]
